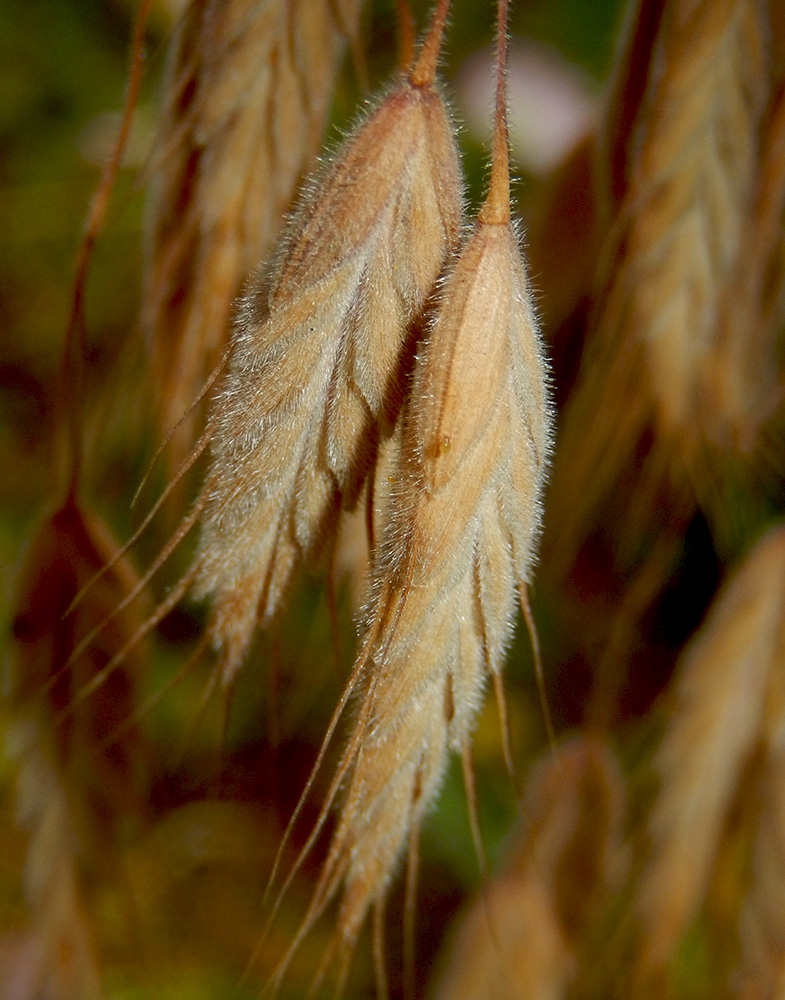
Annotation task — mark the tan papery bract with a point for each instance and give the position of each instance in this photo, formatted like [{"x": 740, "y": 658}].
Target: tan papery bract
[
  {"x": 729, "y": 690},
  {"x": 318, "y": 358},
  {"x": 691, "y": 189},
  {"x": 509, "y": 946},
  {"x": 462, "y": 531},
  {"x": 248, "y": 90}
]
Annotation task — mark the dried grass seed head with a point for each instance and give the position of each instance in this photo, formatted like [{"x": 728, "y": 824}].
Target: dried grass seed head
[
  {"x": 316, "y": 366},
  {"x": 691, "y": 191},
  {"x": 461, "y": 537},
  {"x": 73, "y": 795}
]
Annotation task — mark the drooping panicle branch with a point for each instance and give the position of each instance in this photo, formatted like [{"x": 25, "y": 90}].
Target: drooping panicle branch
[
  {"x": 405, "y": 32},
  {"x": 72, "y": 370}
]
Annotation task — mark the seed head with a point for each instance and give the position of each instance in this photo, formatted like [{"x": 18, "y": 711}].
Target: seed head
[
  {"x": 460, "y": 535},
  {"x": 318, "y": 356}
]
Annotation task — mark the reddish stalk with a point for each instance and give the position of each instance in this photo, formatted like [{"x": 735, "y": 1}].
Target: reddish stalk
[
  {"x": 72, "y": 375},
  {"x": 424, "y": 70},
  {"x": 496, "y": 210},
  {"x": 405, "y": 32}
]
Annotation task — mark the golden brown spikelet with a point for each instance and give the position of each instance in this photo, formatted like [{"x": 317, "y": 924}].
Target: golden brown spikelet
[
  {"x": 464, "y": 526},
  {"x": 463, "y": 532},
  {"x": 525, "y": 937},
  {"x": 675, "y": 247},
  {"x": 460, "y": 536},
  {"x": 509, "y": 946},
  {"x": 73, "y": 796},
  {"x": 744, "y": 378},
  {"x": 318, "y": 354},
  {"x": 690, "y": 191},
  {"x": 761, "y": 971},
  {"x": 729, "y": 704},
  {"x": 246, "y": 99}
]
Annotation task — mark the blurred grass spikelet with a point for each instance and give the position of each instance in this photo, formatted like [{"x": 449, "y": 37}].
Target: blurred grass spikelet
[
  {"x": 74, "y": 795},
  {"x": 460, "y": 536},
  {"x": 248, "y": 89},
  {"x": 526, "y": 937},
  {"x": 674, "y": 249},
  {"x": 745, "y": 369},
  {"x": 690, "y": 192},
  {"x": 319, "y": 352},
  {"x": 729, "y": 703},
  {"x": 508, "y": 946},
  {"x": 761, "y": 919}
]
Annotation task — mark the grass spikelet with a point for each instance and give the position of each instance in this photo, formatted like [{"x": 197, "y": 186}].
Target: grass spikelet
[
  {"x": 744, "y": 381},
  {"x": 727, "y": 696},
  {"x": 699, "y": 149},
  {"x": 461, "y": 534},
  {"x": 522, "y": 957},
  {"x": 674, "y": 249},
  {"x": 761, "y": 921},
  {"x": 72, "y": 794},
  {"x": 527, "y": 936},
  {"x": 318, "y": 354},
  {"x": 248, "y": 91}
]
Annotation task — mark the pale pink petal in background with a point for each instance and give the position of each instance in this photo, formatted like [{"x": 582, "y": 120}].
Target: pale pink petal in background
[{"x": 553, "y": 106}]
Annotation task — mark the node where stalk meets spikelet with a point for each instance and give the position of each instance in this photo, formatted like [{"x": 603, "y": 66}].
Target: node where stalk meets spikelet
[{"x": 319, "y": 353}]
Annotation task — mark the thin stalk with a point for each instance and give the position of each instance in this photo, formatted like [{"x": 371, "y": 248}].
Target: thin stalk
[
  {"x": 496, "y": 210},
  {"x": 72, "y": 371},
  {"x": 424, "y": 70}
]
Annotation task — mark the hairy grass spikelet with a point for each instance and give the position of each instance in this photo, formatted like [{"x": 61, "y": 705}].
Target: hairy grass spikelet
[
  {"x": 318, "y": 353},
  {"x": 461, "y": 534},
  {"x": 247, "y": 95},
  {"x": 690, "y": 191}
]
